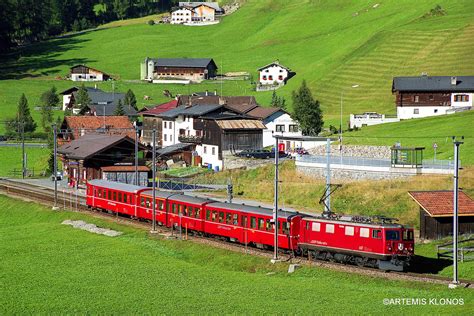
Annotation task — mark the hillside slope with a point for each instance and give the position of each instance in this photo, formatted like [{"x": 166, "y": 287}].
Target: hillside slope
[{"x": 333, "y": 44}]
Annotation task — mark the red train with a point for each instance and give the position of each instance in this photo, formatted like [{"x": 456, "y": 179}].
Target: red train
[{"x": 358, "y": 240}]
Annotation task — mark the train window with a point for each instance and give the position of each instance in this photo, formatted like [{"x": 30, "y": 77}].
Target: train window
[
  {"x": 109, "y": 195},
  {"x": 104, "y": 193},
  {"x": 214, "y": 216},
  {"x": 208, "y": 215},
  {"x": 261, "y": 222},
  {"x": 330, "y": 228},
  {"x": 377, "y": 234},
  {"x": 364, "y": 232},
  {"x": 307, "y": 225},
  {"x": 148, "y": 203},
  {"x": 173, "y": 208},
  {"x": 316, "y": 227},
  {"x": 268, "y": 225},
  {"x": 125, "y": 198},
  {"x": 349, "y": 231},
  {"x": 392, "y": 235},
  {"x": 114, "y": 196},
  {"x": 190, "y": 211},
  {"x": 142, "y": 201},
  {"x": 221, "y": 217},
  {"x": 408, "y": 235},
  {"x": 119, "y": 196},
  {"x": 228, "y": 218},
  {"x": 99, "y": 193},
  {"x": 236, "y": 219},
  {"x": 286, "y": 228},
  {"x": 253, "y": 222},
  {"x": 161, "y": 205},
  {"x": 243, "y": 221}
]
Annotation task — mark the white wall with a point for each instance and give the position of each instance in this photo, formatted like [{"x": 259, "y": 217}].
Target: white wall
[
  {"x": 66, "y": 99},
  {"x": 367, "y": 120},
  {"x": 87, "y": 77},
  {"x": 208, "y": 157},
  {"x": 170, "y": 137},
  {"x": 408, "y": 112},
  {"x": 285, "y": 120},
  {"x": 275, "y": 71},
  {"x": 172, "y": 134},
  {"x": 181, "y": 16},
  {"x": 460, "y": 103}
]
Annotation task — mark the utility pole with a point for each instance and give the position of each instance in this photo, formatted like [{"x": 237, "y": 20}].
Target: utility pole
[
  {"x": 275, "y": 210},
  {"x": 23, "y": 163},
  {"x": 55, "y": 168},
  {"x": 340, "y": 133},
  {"x": 136, "y": 155},
  {"x": 153, "y": 229},
  {"x": 328, "y": 176},
  {"x": 455, "y": 282}
]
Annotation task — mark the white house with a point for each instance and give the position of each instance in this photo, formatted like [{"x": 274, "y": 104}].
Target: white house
[
  {"x": 195, "y": 12},
  {"x": 370, "y": 118},
  {"x": 432, "y": 95},
  {"x": 181, "y": 15},
  {"x": 273, "y": 75},
  {"x": 84, "y": 73}
]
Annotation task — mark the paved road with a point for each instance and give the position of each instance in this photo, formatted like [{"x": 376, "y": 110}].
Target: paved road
[{"x": 38, "y": 145}]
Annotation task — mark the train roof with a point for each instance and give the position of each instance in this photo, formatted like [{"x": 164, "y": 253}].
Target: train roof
[
  {"x": 116, "y": 186},
  {"x": 174, "y": 196},
  {"x": 251, "y": 209}
]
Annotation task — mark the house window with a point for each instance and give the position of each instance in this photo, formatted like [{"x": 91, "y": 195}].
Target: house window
[
  {"x": 264, "y": 78},
  {"x": 461, "y": 98},
  {"x": 280, "y": 128},
  {"x": 165, "y": 137},
  {"x": 280, "y": 77},
  {"x": 205, "y": 149},
  {"x": 171, "y": 138},
  {"x": 416, "y": 98},
  {"x": 416, "y": 111},
  {"x": 293, "y": 128},
  {"x": 270, "y": 77},
  {"x": 213, "y": 151},
  {"x": 171, "y": 125},
  {"x": 166, "y": 124}
]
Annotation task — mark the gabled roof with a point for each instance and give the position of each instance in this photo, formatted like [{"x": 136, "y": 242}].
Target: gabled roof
[
  {"x": 240, "y": 124},
  {"x": 241, "y": 104},
  {"x": 119, "y": 125},
  {"x": 194, "y": 111},
  {"x": 161, "y": 108},
  {"x": 77, "y": 66},
  {"x": 76, "y": 88},
  {"x": 440, "y": 203},
  {"x": 263, "y": 113},
  {"x": 275, "y": 63},
  {"x": 100, "y": 97},
  {"x": 173, "y": 148},
  {"x": 192, "y": 4},
  {"x": 183, "y": 62},
  {"x": 433, "y": 83},
  {"x": 92, "y": 144}
]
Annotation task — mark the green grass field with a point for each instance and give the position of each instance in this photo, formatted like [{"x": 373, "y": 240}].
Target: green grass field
[
  {"x": 333, "y": 44},
  {"x": 10, "y": 157},
  {"x": 49, "y": 268}
]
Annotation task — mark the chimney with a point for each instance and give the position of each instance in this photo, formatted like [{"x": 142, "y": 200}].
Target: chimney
[{"x": 454, "y": 81}]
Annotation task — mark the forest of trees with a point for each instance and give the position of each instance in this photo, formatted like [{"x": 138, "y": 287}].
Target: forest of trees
[{"x": 26, "y": 21}]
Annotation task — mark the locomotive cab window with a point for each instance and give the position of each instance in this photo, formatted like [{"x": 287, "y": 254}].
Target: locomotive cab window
[
  {"x": 330, "y": 228},
  {"x": 377, "y": 234},
  {"x": 286, "y": 228},
  {"x": 392, "y": 235}
]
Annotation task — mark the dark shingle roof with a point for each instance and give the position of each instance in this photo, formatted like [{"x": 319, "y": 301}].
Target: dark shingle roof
[
  {"x": 173, "y": 148},
  {"x": 263, "y": 113},
  {"x": 183, "y": 62},
  {"x": 193, "y": 111},
  {"x": 91, "y": 144},
  {"x": 433, "y": 83}
]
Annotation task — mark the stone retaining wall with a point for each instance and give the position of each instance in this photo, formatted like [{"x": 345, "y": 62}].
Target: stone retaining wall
[{"x": 376, "y": 152}]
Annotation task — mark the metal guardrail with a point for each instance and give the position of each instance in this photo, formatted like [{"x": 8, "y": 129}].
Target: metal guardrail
[
  {"x": 370, "y": 162},
  {"x": 180, "y": 185},
  {"x": 464, "y": 253}
]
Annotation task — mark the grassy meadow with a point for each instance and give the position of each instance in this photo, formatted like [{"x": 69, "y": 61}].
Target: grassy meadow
[
  {"x": 49, "y": 268},
  {"x": 333, "y": 44},
  {"x": 10, "y": 158}
]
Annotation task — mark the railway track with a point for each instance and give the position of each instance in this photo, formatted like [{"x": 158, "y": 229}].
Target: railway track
[{"x": 72, "y": 202}]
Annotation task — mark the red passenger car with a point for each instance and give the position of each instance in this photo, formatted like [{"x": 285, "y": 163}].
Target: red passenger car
[{"x": 358, "y": 240}]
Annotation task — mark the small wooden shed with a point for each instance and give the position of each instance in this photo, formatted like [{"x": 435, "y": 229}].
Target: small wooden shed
[{"x": 436, "y": 213}]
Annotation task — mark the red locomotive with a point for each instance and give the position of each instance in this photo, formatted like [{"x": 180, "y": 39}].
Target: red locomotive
[{"x": 359, "y": 240}]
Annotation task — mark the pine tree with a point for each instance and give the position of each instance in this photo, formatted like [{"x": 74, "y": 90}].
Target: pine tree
[
  {"x": 130, "y": 99},
  {"x": 49, "y": 99},
  {"x": 277, "y": 101},
  {"x": 307, "y": 111},
  {"x": 24, "y": 115},
  {"x": 83, "y": 101},
  {"x": 119, "y": 111}
]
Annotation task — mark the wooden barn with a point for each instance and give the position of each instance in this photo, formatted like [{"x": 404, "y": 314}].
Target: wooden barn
[
  {"x": 193, "y": 69},
  {"x": 85, "y": 73},
  {"x": 84, "y": 159},
  {"x": 436, "y": 213}
]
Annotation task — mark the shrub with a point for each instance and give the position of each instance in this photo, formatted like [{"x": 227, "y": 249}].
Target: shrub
[{"x": 151, "y": 22}]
